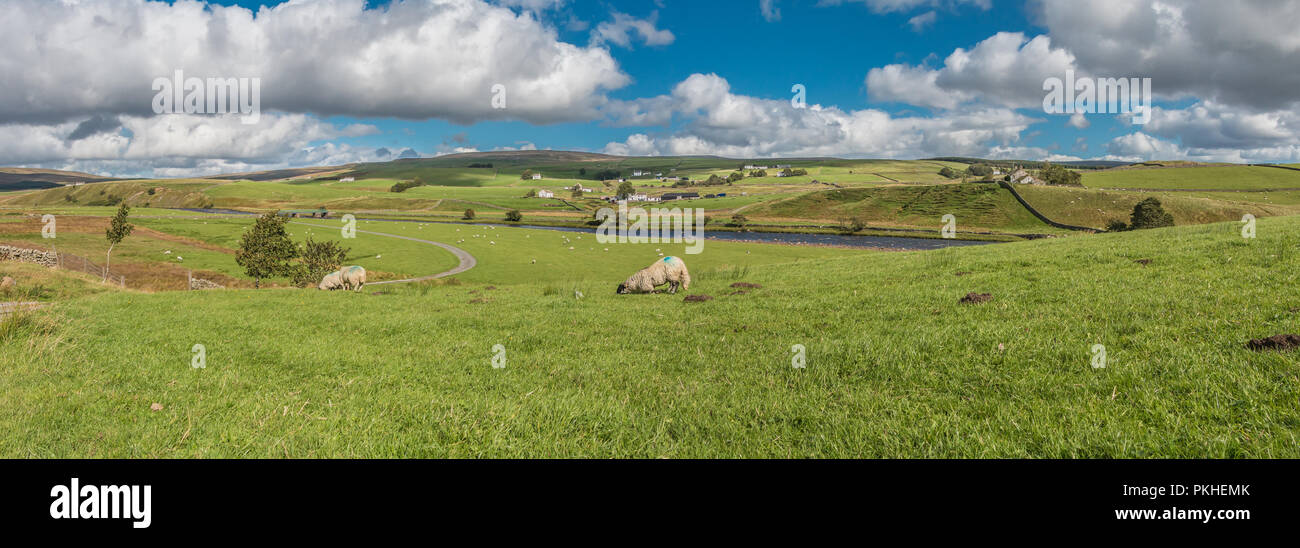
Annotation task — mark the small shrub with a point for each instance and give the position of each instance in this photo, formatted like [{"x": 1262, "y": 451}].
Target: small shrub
[{"x": 514, "y": 216}]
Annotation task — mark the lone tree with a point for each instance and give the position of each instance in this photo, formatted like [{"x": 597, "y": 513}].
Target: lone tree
[
  {"x": 318, "y": 259},
  {"x": 514, "y": 216},
  {"x": 1149, "y": 214},
  {"x": 625, "y": 189},
  {"x": 118, "y": 229},
  {"x": 469, "y": 214},
  {"x": 265, "y": 250}
]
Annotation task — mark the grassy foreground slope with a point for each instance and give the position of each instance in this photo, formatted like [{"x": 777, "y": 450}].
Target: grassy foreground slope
[{"x": 895, "y": 366}]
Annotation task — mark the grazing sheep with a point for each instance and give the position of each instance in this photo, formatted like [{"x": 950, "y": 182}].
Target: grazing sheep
[
  {"x": 7, "y": 283},
  {"x": 669, "y": 270},
  {"x": 354, "y": 277},
  {"x": 331, "y": 281}
]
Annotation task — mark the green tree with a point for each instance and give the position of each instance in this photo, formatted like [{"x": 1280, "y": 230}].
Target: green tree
[
  {"x": 1057, "y": 175},
  {"x": 1149, "y": 214},
  {"x": 469, "y": 214},
  {"x": 739, "y": 220},
  {"x": 527, "y": 175},
  {"x": 625, "y": 189},
  {"x": 948, "y": 173},
  {"x": 514, "y": 216},
  {"x": 118, "y": 229},
  {"x": 735, "y": 176},
  {"x": 318, "y": 259},
  {"x": 265, "y": 250}
]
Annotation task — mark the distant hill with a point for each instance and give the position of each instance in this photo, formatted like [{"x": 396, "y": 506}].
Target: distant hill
[
  {"x": 1074, "y": 164},
  {"x": 278, "y": 174},
  {"x": 18, "y": 178}
]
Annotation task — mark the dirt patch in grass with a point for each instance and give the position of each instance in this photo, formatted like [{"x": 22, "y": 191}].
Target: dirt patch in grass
[
  {"x": 1276, "y": 342},
  {"x": 746, "y": 285},
  {"x": 976, "y": 298},
  {"x": 962, "y": 273},
  {"x": 159, "y": 276},
  {"x": 1143, "y": 262},
  {"x": 697, "y": 298}
]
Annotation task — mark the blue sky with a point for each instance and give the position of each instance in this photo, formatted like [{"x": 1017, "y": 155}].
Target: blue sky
[
  {"x": 732, "y": 39},
  {"x": 346, "y": 80}
]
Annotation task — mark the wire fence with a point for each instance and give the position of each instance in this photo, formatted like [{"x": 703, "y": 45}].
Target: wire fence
[{"x": 81, "y": 264}]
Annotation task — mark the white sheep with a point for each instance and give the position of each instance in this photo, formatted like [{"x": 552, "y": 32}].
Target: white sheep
[
  {"x": 331, "y": 281},
  {"x": 669, "y": 270},
  {"x": 354, "y": 277}
]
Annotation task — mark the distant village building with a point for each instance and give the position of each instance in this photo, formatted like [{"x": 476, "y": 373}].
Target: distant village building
[
  {"x": 537, "y": 176},
  {"x": 545, "y": 194},
  {"x": 638, "y": 173},
  {"x": 348, "y": 180},
  {"x": 1022, "y": 177}
]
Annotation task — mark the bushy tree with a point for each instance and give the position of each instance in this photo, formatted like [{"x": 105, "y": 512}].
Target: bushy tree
[
  {"x": 1149, "y": 214},
  {"x": 265, "y": 249},
  {"x": 403, "y": 186},
  {"x": 469, "y": 214},
  {"x": 118, "y": 229},
  {"x": 317, "y": 260},
  {"x": 625, "y": 189},
  {"x": 739, "y": 220},
  {"x": 514, "y": 216},
  {"x": 1057, "y": 175},
  {"x": 527, "y": 175},
  {"x": 948, "y": 172}
]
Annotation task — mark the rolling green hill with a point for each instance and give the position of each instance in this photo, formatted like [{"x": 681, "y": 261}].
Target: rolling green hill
[
  {"x": 976, "y": 206},
  {"x": 1215, "y": 177}
]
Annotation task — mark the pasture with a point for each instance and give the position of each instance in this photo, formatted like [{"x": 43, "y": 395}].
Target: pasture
[
  {"x": 895, "y": 366},
  {"x": 1216, "y": 177}
]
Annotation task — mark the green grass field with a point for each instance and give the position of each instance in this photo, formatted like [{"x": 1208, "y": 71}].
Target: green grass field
[
  {"x": 1200, "y": 178},
  {"x": 895, "y": 366},
  {"x": 1093, "y": 208},
  {"x": 975, "y": 205}
]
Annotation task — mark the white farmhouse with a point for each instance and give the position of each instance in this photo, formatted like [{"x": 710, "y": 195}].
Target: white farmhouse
[
  {"x": 537, "y": 176},
  {"x": 545, "y": 194}
]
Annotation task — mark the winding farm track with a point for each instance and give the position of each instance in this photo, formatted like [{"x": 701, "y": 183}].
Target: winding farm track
[{"x": 467, "y": 261}]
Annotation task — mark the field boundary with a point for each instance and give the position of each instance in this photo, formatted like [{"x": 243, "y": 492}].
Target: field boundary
[{"x": 1040, "y": 216}]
